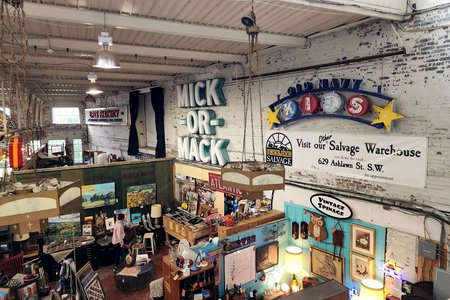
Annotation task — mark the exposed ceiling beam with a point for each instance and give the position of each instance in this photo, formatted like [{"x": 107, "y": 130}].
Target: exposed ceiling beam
[
  {"x": 100, "y": 75},
  {"x": 71, "y": 82},
  {"x": 66, "y": 14},
  {"x": 384, "y": 9},
  {"x": 154, "y": 68},
  {"x": 92, "y": 46}
]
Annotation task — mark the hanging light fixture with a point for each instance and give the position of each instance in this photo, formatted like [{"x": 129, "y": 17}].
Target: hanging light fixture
[
  {"x": 252, "y": 177},
  {"x": 105, "y": 58},
  {"x": 93, "y": 87}
]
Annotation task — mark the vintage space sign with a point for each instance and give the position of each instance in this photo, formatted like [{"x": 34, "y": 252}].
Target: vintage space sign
[
  {"x": 201, "y": 122},
  {"x": 333, "y": 98},
  {"x": 331, "y": 206}
]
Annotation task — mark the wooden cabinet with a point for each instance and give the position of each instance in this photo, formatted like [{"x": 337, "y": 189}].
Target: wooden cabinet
[{"x": 185, "y": 287}]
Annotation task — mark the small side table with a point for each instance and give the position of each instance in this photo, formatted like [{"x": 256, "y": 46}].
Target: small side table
[{"x": 132, "y": 283}]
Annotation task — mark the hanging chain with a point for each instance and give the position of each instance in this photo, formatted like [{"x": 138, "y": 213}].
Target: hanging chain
[{"x": 13, "y": 22}]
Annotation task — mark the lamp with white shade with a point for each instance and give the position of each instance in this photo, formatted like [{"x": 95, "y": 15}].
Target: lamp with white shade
[
  {"x": 156, "y": 213},
  {"x": 371, "y": 289},
  {"x": 293, "y": 264}
]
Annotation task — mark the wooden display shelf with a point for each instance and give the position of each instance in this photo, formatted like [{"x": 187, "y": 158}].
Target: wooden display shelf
[
  {"x": 192, "y": 233},
  {"x": 173, "y": 288},
  {"x": 250, "y": 223}
]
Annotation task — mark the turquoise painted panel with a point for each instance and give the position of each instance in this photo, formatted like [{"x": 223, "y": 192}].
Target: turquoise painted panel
[
  {"x": 263, "y": 236},
  {"x": 298, "y": 214}
]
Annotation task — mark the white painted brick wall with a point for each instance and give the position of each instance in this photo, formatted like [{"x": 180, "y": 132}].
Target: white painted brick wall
[{"x": 418, "y": 80}]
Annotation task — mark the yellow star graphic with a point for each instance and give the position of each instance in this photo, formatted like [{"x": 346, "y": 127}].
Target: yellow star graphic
[
  {"x": 385, "y": 115},
  {"x": 272, "y": 117}
]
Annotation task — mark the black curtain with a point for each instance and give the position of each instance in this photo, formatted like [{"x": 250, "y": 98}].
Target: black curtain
[
  {"x": 133, "y": 142},
  {"x": 157, "y": 96}
]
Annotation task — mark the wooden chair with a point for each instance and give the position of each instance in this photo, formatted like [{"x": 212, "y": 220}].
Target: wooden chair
[{"x": 12, "y": 265}]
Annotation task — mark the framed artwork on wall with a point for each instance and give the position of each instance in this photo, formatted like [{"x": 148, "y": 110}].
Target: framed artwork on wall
[
  {"x": 215, "y": 258},
  {"x": 140, "y": 195},
  {"x": 361, "y": 267},
  {"x": 363, "y": 240},
  {"x": 266, "y": 256},
  {"x": 235, "y": 273},
  {"x": 98, "y": 195},
  {"x": 87, "y": 230},
  {"x": 324, "y": 265}
]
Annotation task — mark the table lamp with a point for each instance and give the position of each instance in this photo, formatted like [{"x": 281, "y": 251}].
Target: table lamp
[
  {"x": 293, "y": 264},
  {"x": 156, "y": 213},
  {"x": 371, "y": 289}
]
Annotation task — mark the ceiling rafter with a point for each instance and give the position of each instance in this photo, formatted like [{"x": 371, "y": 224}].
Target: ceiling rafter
[
  {"x": 144, "y": 67},
  {"x": 92, "y": 46},
  {"x": 66, "y": 14}
]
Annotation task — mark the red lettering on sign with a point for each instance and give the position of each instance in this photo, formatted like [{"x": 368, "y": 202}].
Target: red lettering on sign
[{"x": 215, "y": 184}]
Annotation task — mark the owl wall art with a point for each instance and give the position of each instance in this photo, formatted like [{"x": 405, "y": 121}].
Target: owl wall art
[{"x": 316, "y": 227}]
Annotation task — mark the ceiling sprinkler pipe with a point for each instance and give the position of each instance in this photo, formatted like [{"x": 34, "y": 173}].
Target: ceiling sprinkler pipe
[{"x": 415, "y": 207}]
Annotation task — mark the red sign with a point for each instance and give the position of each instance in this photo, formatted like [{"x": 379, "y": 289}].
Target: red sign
[{"x": 215, "y": 184}]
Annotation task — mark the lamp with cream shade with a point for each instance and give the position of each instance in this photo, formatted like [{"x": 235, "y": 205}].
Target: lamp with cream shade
[
  {"x": 156, "y": 213},
  {"x": 293, "y": 264},
  {"x": 371, "y": 289}
]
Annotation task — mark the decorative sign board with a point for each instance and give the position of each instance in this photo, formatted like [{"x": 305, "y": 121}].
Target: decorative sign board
[
  {"x": 396, "y": 160},
  {"x": 215, "y": 184},
  {"x": 331, "y": 206},
  {"x": 333, "y": 98},
  {"x": 107, "y": 116},
  {"x": 201, "y": 122}
]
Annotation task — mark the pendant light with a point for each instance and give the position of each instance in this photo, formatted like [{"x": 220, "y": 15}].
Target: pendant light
[
  {"x": 105, "y": 58},
  {"x": 93, "y": 87},
  {"x": 252, "y": 177}
]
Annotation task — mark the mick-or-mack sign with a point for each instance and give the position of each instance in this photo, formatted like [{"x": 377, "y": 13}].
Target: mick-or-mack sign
[
  {"x": 106, "y": 116},
  {"x": 331, "y": 206},
  {"x": 201, "y": 121},
  {"x": 391, "y": 159}
]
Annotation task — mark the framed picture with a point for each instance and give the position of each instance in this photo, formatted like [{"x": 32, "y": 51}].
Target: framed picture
[
  {"x": 139, "y": 195},
  {"x": 28, "y": 292},
  {"x": 98, "y": 195},
  {"x": 361, "y": 267},
  {"x": 123, "y": 211},
  {"x": 324, "y": 265},
  {"x": 63, "y": 227},
  {"x": 203, "y": 210},
  {"x": 87, "y": 230},
  {"x": 136, "y": 218},
  {"x": 4, "y": 293},
  {"x": 193, "y": 203},
  {"x": 266, "y": 256},
  {"x": 215, "y": 258},
  {"x": 94, "y": 289},
  {"x": 235, "y": 272},
  {"x": 109, "y": 224},
  {"x": 363, "y": 240}
]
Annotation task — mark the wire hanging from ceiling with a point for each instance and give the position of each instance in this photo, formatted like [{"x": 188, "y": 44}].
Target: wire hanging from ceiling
[{"x": 12, "y": 22}]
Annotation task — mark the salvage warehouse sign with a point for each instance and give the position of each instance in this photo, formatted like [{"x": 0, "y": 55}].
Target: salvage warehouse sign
[{"x": 391, "y": 159}]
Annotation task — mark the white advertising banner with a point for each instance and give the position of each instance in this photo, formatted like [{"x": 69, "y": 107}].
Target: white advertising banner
[
  {"x": 107, "y": 116},
  {"x": 391, "y": 159}
]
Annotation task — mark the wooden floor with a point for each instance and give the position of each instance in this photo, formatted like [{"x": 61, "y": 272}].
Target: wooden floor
[{"x": 109, "y": 285}]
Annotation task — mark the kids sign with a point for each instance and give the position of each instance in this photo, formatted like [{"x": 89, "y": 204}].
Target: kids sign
[
  {"x": 327, "y": 99},
  {"x": 201, "y": 122}
]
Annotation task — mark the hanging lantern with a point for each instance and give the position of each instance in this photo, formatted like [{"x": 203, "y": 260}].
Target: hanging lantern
[{"x": 16, "y": 152}]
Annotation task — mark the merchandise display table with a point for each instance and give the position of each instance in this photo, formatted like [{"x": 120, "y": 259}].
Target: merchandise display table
[
  {"x": 179, "y": 226},
  {"x": 135, "y": 280}
]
